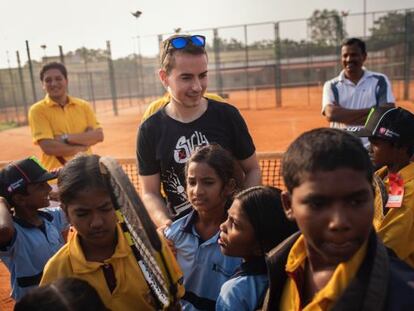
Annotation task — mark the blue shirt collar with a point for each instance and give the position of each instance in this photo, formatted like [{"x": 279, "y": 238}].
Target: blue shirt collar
[
  {"x": 187, "y": 225},
  {"x": 25, "y": 224}
]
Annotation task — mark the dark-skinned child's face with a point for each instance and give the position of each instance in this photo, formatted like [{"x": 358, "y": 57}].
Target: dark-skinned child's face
[
  {"x": 385, "y": 153},
  {"x": 37, "y": 196},
  {"x": 205, "y": 190},
  {"x": 334, "y": 211},
  {"x": 237, "y": 237},
  {"x": 93, "y": 216}
]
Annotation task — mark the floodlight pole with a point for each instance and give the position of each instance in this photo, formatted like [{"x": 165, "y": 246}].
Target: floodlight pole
[
  {"x": 137, "y": 14},
  {"x": 44, "y": 47},
  {"x": 61, "y": 55},
  {"x": 29, "y": 60},
  {"x": 365, "y": 19},
  {"x": 22, "y": 88}
]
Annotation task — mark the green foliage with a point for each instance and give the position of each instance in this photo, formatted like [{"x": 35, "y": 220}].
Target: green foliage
[
  {"x": 231, "y": 44},
  {"x": 391, "y": 30},
  {"x": 327, "y": 27},
  {"x": 89, "y": 55},
  {"x": 390, "y": 24}
]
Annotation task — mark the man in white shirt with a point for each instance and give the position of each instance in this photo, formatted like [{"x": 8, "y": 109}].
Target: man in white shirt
[{"x": 348, "y": 98}]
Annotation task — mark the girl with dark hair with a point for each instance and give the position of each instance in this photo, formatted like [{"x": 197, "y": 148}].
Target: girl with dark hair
[
  {"x": 256, "y": 223},
  {"x": 98, "y": 252},
  {"x": 67, "y": 294},
  {"x": 210, "y": 187}
]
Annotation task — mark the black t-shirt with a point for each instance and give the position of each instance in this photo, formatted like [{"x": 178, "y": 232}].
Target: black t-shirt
[{"x": 164, "y": 145}]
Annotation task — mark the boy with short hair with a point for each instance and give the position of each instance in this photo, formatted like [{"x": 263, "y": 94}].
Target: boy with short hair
[
  {"x": 391, "y": 134},
  {"x": 32, "y": 235},
  {"x": 337, "y": 261}
]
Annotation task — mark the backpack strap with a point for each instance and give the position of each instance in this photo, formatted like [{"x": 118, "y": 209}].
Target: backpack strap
[{"x": 276, "y": 260}]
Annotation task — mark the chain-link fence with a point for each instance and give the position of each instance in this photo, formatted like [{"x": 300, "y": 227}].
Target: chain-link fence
[{"x": 256, "y": 66}]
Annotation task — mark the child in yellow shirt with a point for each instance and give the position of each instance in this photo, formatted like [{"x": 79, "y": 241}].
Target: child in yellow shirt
[
  {"x": 99, "y": 252},
  {"x": 337, "y": 261}
]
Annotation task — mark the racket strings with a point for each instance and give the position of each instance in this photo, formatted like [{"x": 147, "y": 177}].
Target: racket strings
[{"x": 133, "y": 231}]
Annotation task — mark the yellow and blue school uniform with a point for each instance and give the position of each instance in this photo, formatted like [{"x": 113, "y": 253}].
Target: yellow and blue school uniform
[
  {"x": 246, "y": 289},
  {"x": 204, "y": 267},
  {"x": 396, "y": 226},
  {"x": 130, "y": 292},
  {"x": 31, "y": 248},
  {"x": 327, "y": 296},
  {"x": 372, "y": 279}
]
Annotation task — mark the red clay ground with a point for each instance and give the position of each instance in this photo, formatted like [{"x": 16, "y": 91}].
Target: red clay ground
[{"x": 272, "y": 130}]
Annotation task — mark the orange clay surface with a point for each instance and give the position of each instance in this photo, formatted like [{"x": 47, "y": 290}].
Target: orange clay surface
[{"x": 272, "y": 129}]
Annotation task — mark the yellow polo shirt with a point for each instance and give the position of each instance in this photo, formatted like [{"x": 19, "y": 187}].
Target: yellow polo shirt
[
  {"x": 156, "y": 105},
  {"x": 327, "y": 296},
  {"x": 48, "y": 119},
  {"x": 131, "y": 291},
  {"x": 396, "y": 228}
]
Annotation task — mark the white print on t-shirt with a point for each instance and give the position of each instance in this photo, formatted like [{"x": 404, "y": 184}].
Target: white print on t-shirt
[
  {"x": 174, "y": 185},
  {"x": 185, "y": 147}
]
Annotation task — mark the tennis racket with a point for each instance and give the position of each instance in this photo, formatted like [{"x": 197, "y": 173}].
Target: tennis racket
[{"x": 140, "y": 232}]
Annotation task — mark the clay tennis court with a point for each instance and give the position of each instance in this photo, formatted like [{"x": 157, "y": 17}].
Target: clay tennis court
[{"x": 272, "y": 129}]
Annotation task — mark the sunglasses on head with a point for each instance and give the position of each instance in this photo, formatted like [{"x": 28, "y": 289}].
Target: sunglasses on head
[{"x": 181, "y": 42}]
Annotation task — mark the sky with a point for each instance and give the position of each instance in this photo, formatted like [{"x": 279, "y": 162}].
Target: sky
[{"x": 90, "y": 23}]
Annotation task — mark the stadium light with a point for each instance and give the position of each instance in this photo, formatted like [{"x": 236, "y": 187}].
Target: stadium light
[
  {"x": 44, "y": 47},
  {"x": 141, "y": 87},
  {"x": 137, "y": 14}
]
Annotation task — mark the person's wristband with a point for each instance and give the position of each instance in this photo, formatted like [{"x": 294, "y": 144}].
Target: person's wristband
[{"x": 65, "y": 138}]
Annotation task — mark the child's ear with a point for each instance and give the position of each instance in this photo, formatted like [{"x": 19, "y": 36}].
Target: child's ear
[
  {"x": 287, "y": 205},
  {"x": 162, "y": 74}
]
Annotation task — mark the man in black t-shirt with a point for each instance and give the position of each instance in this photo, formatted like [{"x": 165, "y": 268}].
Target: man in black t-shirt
[{"x": 168, "y": 138}]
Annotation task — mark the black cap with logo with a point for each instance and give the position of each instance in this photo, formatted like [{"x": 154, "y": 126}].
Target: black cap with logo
[{"x": 392, "y": 124}]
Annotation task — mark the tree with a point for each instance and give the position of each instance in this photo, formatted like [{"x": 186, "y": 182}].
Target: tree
[
  {"x": 391, "y": 29},
  {"x": 231, "y": 44},
  {"x": 327, "y": 27},
  {"x": 90, "y": 55}
]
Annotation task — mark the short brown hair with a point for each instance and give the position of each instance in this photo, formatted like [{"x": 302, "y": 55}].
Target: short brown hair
[
  {"x": 167, "y": 52},
  {"x": 54, "y": 65}
]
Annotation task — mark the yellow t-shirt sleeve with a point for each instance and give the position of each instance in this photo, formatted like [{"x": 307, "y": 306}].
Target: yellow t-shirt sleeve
[
  {"x": 91, "y": 119},
  {"x": 394, "y": 231},
  {"x": 154, "y": 106},
  {"x": 39, "y": 125},
  {"x": 215, "y": 97}
]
